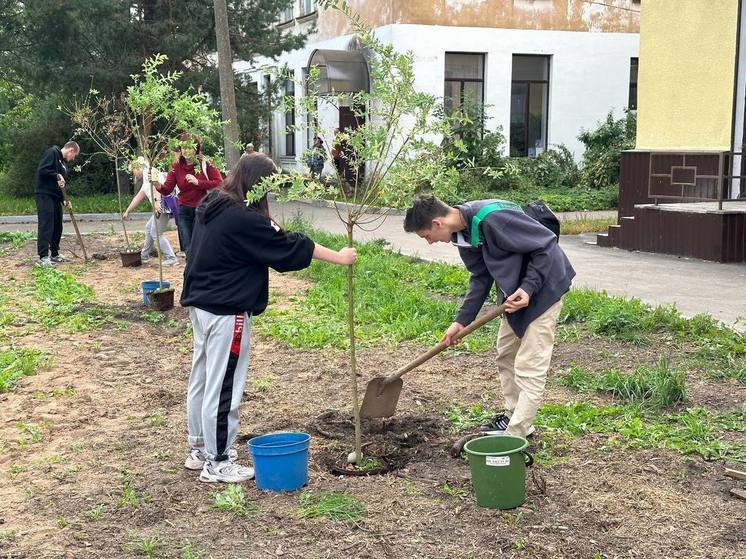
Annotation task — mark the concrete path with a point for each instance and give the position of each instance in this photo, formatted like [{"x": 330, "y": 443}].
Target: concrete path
[{"x": 695, "y": 286}]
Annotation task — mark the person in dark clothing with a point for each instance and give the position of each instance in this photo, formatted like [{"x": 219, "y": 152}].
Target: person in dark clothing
[
  {"x": 316, "y": 157},
  {"x": 51, "y": 177},
  {"x": 226, "y": 282},
  {"x": 523, "y": 259},
  {"x": 194, "y": 176}
]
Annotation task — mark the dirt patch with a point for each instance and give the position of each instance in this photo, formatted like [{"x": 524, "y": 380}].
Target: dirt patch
[
  {"x": 100, "y": 469},
  {"x": 394, "y": 441}
]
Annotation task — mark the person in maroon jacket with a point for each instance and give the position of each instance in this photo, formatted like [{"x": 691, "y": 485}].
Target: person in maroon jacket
[{"x": 194, "y": 176}]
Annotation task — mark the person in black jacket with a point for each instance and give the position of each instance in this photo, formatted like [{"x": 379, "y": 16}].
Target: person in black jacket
[
  {"x": 51, "y": 176},
  {"x": 226, "y": 282},
  {"x": 532, "y": 273}
]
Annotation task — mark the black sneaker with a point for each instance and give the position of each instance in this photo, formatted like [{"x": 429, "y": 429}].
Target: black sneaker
[{"x": 495, "y": 426}]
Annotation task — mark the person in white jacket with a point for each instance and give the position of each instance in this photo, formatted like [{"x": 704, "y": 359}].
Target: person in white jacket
[{"x": 141, "y": 169}]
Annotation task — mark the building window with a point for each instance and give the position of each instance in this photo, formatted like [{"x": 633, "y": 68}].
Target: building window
[
  {"x": 464, "y": 82},
  {"x": 307, "y": 7},
  {"x": 529, "y": 103},
  {"x": 290, "y": 119},
  {"x": 633, "y": 64},
  {"x": 286, "y": 15}
]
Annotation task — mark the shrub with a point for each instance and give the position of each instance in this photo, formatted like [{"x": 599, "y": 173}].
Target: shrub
[
  {"x": 603, "y": 147},
  {"x": 553, "y": 168}
]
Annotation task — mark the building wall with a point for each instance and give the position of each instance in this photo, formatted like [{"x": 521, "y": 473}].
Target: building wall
[
  {"x": 685, "y": 89},
  {"x": 560, "y": 15},
  {"x": 589, "y": 72}
]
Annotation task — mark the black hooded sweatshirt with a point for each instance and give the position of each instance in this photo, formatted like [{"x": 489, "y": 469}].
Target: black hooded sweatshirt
[
  {"x": 233, "y": 246},
  {"x": 51, "y": 164}
]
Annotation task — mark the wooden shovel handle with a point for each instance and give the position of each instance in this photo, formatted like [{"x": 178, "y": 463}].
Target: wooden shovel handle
[
  {"x": 75, "y": 223},
  {"x": 489, "y": 316}
]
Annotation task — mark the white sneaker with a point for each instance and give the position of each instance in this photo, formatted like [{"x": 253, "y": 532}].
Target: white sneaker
[
  {"x": 171, "y": 261},
  {"x": 227, "y": 472},
  {"x": 144, "y": 257},
  {"x": 197, "y": 458},
  {"x": 57, "y": 259},
  {"x": 45, "y": 262}
]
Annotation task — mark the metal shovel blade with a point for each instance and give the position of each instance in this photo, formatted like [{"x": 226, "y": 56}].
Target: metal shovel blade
[{"x": 381, "y": 397}]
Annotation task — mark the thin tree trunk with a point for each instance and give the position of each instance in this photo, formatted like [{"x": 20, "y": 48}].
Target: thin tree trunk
[
  {"x": 119, "y": 199},
  {"x": 353, "y": 359},
  {"x": 227, "y": 90},
  {"x": 157, "y": 236}
]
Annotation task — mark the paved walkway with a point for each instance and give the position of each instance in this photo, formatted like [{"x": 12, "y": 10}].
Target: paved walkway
[{"x": 695, "y": 286}]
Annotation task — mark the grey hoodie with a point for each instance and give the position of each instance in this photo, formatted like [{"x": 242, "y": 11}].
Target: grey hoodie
[{"x": 516, "y": 252}]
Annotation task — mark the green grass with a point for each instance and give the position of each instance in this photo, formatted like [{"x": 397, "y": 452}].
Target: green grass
[
  {"x": 16, "y": 363},
  {"x": 585, "y": 225},
  {"x": 63, "y": 301},
  {"x": 692, "y": 431},
  {"x": 129, "y": 495},
  {"x": 453, "y": 491},
  {"x": 13, "y": 240},
  {"x": 464, "y": 417},
  {"x": 92, "y": 203},
  {"x": 658, "y": 386},
  {"x": 233, "y": 499},
  {"x": 719, "y": 351},
  {"x": 385, "y": 312},
  {"x": 334, "y": 505},
  {"x": 367, "y": 464},
  {"x": 148, "y": 547}
]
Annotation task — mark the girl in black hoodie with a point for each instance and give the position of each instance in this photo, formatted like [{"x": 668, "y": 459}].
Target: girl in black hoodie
[{"x": 226, "y": 281}]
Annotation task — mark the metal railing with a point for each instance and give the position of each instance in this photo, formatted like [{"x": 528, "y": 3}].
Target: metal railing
[{"x": 693, "y": 176}]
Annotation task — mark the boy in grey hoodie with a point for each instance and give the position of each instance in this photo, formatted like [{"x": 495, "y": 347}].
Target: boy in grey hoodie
[{"x": 532, "y": 273}]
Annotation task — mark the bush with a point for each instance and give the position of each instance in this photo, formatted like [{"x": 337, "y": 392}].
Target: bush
[
  {"x": 553, "y": 168},
  {"x": 603, "y": 148}
]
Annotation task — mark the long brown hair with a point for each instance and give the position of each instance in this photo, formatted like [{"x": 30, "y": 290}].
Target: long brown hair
[{"x": 245, "y": 175}]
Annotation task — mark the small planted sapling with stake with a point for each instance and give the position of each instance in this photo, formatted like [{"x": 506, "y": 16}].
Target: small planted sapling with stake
[
  {"x": 156, "y": 112},
  {"x": 104, "y": 121},
  {"x": 389, "y": 154}
]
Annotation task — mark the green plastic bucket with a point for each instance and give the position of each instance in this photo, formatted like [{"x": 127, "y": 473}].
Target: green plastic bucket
[{"x": 498, "y": 470}]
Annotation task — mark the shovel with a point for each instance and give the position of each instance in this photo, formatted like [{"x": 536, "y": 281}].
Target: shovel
[
  {"x": 75, "y": 223},
  {"x": 382, "y": 393}
]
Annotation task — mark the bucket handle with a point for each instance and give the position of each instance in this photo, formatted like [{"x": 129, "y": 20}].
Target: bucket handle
[{"x": 528, "y": 458}]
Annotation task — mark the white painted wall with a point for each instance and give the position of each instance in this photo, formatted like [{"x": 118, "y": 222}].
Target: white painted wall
[{"x": 589, "y": 72}]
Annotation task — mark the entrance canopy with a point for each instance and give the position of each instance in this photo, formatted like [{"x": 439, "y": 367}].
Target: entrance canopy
[{"x": 340, "y": 71}]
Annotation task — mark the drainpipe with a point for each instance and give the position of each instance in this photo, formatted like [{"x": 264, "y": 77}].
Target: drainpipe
[{"x": 742, "y": 186}]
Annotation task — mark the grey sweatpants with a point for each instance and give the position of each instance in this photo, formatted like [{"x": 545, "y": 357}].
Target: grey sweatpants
[
  {"x": 219, "y": 367},
  {"x": 166, "y": 249}
]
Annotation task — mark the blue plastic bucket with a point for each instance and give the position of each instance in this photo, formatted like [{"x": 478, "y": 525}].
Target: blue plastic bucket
[
  {"x": 280, "y": 460},
  {"x": 149, "y": 286}
]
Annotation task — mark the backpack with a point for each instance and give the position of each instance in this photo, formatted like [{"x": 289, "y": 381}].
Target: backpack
[{"x": 536, "y": 210}]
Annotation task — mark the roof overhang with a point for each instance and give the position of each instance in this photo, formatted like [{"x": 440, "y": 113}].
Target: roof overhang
[{"x": 340, "y": 71}]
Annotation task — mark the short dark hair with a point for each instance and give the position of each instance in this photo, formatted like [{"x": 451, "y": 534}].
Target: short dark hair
[
  {"x": 425, "y": 208},
  {"x": 72, "y": 145}
]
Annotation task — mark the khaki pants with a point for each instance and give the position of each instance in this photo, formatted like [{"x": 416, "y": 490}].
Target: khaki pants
[{"x": 523, "y": 364}]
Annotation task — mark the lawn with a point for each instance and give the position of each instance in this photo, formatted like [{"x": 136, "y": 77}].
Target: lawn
[{"x": 94, "y": 203}]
